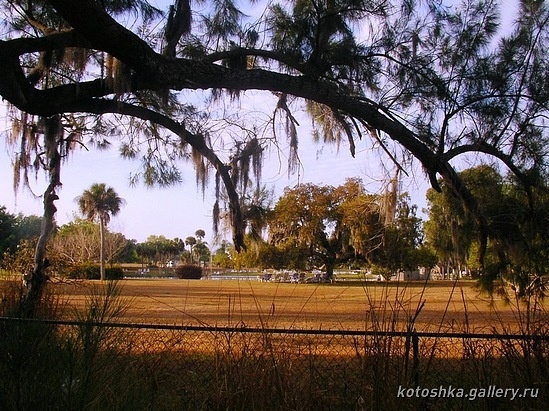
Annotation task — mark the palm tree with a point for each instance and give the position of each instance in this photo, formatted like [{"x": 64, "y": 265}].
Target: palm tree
[
  {"x": 200, "y": 234},
  {"x": 201, "y": 251},
  {"x": 190, "y": 241},
  {"x": 99, "y": 203}
]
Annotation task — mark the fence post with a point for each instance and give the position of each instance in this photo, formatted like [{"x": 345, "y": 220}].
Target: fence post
[{"x": 415, "y": 351}]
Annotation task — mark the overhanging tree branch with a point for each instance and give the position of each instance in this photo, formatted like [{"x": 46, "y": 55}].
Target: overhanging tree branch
[
  {"x": 155, "y": 71},
  {"x": 196, "y": 141}
]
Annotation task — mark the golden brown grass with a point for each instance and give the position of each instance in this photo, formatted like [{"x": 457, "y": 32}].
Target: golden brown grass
[
  {"x": 90, "y": 366},
  {"x": 448, "y": 306}
]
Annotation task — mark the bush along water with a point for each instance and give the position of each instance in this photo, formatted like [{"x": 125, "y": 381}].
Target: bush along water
[
  {"x": 91, "y": 271},
  {"x": 188, "y": 272}
]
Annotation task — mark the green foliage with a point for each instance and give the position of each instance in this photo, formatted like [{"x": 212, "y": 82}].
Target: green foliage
[
  {"x": 190, "y": 241},
  {"x": 80, "y": 227},
  {"x": 201, "y": 252},
  {"x": 159, "y": 249},
  {"x": 319, "y": 37},
  {"x": 91, "y": 271},
  {"x": 306, "y": 218},
  {"x": 28, "y": 227},
  {"x": 22, "y": 260},
  {"x": 99, "y": 203},
  {"x": 516, "y": 220},
  {"x": 83, "y": 271},
  {"x": 188, "y": 272},
  {"x": 7, "y": 230},
  {"x": 263, "y": 255},
  {"x": 16, "y": 228},
  {"x": 382, "y": 272},
  {"x": 323, "y": 226},
  {"x": 222, "y": 256},
  {"x": 222, "y": 260},
  {"x": 423, "y": 256},
  {"x": 114, "y": 273},
  {"x": 128, "y": 254}
]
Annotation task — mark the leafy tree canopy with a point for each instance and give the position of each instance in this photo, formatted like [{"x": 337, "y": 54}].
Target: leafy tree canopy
[
  {"x": 15, "y": 228},
  {"x": 8, "y": 236},
  {"x": 160, "y": 249},
  {"x": 325, "y": 225},
  {"x": 517, "y": 245},
  {"x": 414, "y": 79}
]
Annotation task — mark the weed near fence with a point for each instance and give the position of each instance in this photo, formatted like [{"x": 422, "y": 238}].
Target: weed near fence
[
  {"x": 209, "y": 368},
  {"x": 94, "y": 362}
]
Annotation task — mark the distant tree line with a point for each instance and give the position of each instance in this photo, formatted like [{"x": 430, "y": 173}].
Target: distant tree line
[
  {"x": 76, "y": 244},
  {"x": 158, "y": 249},
  {"x": 324, "y": 227}
]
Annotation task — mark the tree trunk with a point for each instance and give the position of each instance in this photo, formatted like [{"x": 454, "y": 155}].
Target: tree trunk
[
  {"x": 330, "y": 264},
  {"x": 329, "y": 259},
  {"x": 36, "y": 280},
  {"x": 102, "y": 249}
]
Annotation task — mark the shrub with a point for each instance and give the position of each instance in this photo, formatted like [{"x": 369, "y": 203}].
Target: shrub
[
  {"x": 45, "y": 366},
  {"x": 188, "y": 272},
  {"x": 91, "y": 271},
  {"x": 83, "y": 271},
  {"x": 382, "y": 272},
  {"x": 114, "y": 273}
]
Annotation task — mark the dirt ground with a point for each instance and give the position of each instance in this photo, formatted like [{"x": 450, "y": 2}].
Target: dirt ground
[{"x": 437, "y": 306}]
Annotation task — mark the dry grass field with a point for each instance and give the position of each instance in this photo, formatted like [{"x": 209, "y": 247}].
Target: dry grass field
[
  {"x": 443, "y": 306},
  {"x": 92, "y": 367}
]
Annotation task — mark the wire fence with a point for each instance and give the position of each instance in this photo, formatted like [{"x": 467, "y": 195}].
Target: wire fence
[{"x": 193, "y": 367}]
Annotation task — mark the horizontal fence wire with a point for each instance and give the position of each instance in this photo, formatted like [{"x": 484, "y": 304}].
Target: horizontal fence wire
[
  {"x": 208, "y": 367},
  {"x": 252, "y": 330}
]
